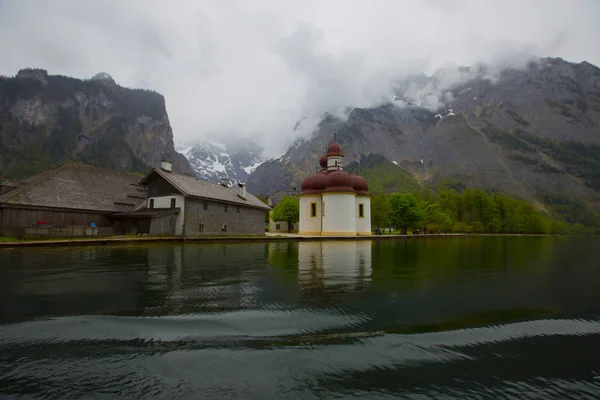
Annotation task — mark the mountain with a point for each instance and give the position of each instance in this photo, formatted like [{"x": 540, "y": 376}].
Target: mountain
[
  {"x": 532, "y": 132},
  {"x": 48, "y": 119},
  {"x": 235, "y": 159}
]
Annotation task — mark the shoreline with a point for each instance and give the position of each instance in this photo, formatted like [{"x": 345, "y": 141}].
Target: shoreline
[{"x": 235, "y": 239}]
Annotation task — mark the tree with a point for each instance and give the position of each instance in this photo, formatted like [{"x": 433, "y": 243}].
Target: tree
[
  {"x": 380, "y": 211},
  {"x": 445, "y": 222},
  {"x": 288, "y": 210},
  {"x": 404, "y": 210},
  {"x": 432, "y": 214},
  {"x": 477, "y": 227}
]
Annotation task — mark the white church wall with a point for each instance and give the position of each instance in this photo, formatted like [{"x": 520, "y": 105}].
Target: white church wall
[
  {"x": 338, "y": 218},
  {"x": 310, "y": 262},
  {"x": 363, "y": 258},
  {"x": 334, "y": 163},
  {"x": 363, "y": 224},
  {"x": 309, "y": 224}
]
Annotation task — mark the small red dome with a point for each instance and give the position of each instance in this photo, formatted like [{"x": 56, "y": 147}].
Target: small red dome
[
  {"x": 360, "y": 185},
  {"x": 314, "y": 184},
  {"x": 323, "y": 162},
  {"x": 335, "y": 149},
  {"x": 338, "y": 181}
]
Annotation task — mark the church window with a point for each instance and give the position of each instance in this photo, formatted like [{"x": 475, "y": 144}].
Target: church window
[
  {"x": 361, "y": 210},
  {"x": 313, "y": 209}
]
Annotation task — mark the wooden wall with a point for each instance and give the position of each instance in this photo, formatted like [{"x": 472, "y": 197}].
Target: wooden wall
[
  {"x": 15, "y": 219},
  {"x": 163, "y": 225},
  {"x": 157, "y": 226}
]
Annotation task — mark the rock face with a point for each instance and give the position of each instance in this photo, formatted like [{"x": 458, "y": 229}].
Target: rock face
[
  {"x": 47, "y": 119},
  {"x": 235, "y": 159},
  {"x": 534, "y": 132}
]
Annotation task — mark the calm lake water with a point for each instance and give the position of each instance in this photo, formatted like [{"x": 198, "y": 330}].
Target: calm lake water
[{"x": 451, "y": 318}]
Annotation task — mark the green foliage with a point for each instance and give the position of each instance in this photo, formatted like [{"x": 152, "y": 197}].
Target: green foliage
[
  {"x": 477, "y": 227},
  {"x": 451, "y": 184},
  {"x": 404, "y": 210},
  {"x": 383, "y": 176},
  {"x": 539, "y": 166},
  {"x": 380, "y": 210},
  {"x": 482, "y": 212},
  {"x": 507, "y": 139},
  {"x": 580, "y": 159},
  {"x": 432, "y": 214},
  {"x": 492, "y": 227},
  {"x": 570, "y": 211},
  {"x": 287, "y": 210}
]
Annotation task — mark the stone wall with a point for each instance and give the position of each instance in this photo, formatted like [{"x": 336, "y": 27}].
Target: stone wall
[{"x": 238, "y": 220}]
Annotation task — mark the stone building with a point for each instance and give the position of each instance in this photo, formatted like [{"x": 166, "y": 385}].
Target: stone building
[
  {"x": 75, "y": 199},
  {"x": 205, "y": 208},
  {"x": 334, "y": 202}
]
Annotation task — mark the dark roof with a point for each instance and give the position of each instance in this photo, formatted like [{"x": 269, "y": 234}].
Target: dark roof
[
  {"x": 194, "y": 187},
  {"x": 148, "y": 213},
  {"x": 79, "y": 186}
]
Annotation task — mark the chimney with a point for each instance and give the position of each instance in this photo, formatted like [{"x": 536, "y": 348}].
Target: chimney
[
  {"x": 270, "y": 202},
  {"x": 225, "y": 181},
  {"x": 242, "y": 190},
  {"x": 166, "y": 165}
]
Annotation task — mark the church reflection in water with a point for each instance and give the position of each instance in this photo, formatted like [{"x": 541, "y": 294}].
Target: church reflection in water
[{"x": 331, "y": 263}]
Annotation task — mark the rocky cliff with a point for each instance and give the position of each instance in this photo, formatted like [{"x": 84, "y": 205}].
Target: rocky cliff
[
  {"x": 532, "y": 132},
  {"x": 47, "y": 119}
]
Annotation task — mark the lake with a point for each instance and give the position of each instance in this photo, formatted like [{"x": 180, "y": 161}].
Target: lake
[{"x": 416, "y": 318}]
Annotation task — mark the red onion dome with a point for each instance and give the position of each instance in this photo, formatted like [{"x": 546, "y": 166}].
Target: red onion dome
[
  {"x": 314, "y": 184},
  {"x": 338, "y": 181},
  {"x": 335, "y": 149},
  {"x": 360, "y": 185},
  {"x": 323, "y": 162}
]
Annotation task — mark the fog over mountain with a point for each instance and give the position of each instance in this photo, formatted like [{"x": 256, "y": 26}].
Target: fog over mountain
[{"x": 256, "y": 68}]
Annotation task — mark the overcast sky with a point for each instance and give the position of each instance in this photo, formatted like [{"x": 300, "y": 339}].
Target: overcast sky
[{"x": 255, "y": 67}]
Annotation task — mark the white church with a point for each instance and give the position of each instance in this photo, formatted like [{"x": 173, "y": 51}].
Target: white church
[{"x": 334, "y": 202}]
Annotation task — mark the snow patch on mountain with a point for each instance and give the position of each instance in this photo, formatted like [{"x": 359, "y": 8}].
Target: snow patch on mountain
[
  {"x": 250, "y": 169},
  {"x": 212, "y": 161}
]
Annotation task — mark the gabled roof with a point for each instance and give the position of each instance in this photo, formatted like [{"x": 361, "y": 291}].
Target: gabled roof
[
  {"x": 198, "y": 188},
  {"x": 79, "y": 186}
]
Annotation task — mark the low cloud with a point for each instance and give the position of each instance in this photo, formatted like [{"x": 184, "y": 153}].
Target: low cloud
[{"x": 255, "y": 69}]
